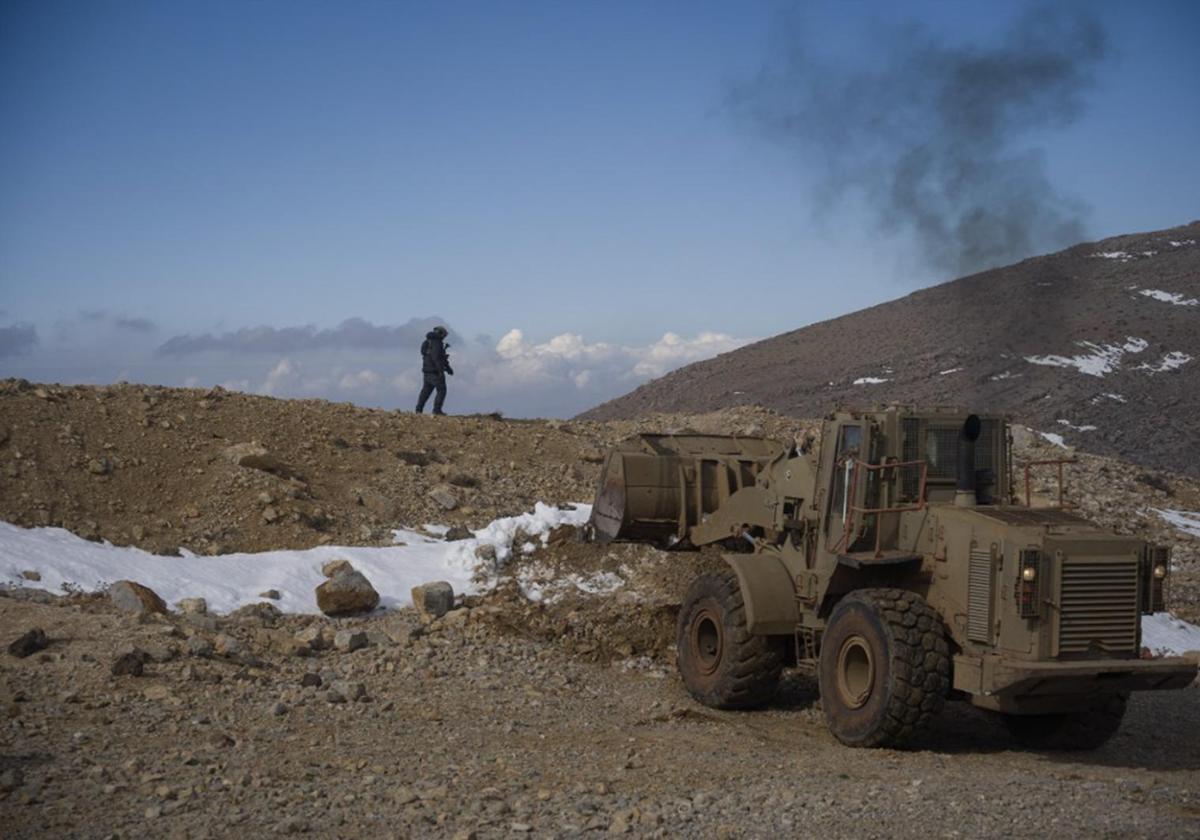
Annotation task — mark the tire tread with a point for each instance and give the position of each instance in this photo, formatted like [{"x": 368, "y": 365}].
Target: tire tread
[
  {"x": 756, "y": 661},
  {"x": 920, "y": 664}
]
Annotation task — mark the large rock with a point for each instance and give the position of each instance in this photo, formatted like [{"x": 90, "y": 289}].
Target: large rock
[
  {"x": 259, "y": 612},
  {"x": 433, "y": 600},
  {"x": 335, "y": 567},
  {"x": 28, "y": 643},
  {"x": 256, "y": 457},
  {"x": 130, "y": 662},
  {"x": 443, "y": 495},
  {"x": 281, "y": 642},
  {"x": 193, "y": 606},
  {"x": 592, "y": 455},
  {"x": 316, "y": 637},
  {"x": 348, "y": 641},
  {"x": 226, "y": 645},
  {"x": 352, "y": 691},
  {"x": 382, "y": 506},
  {"x": 347, "y": 593},
  {"x": 243, "y": 454},
  {"x": 132, "y": 597}
]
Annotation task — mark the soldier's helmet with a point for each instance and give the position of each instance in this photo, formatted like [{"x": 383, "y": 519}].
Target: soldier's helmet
[{"x": 441, "y": 331}]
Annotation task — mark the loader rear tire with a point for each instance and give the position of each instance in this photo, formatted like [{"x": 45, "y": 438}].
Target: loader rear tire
[
  {"x": 884, "y": 668},
  {"x": 1097, "y": 720},
  {"x": 722, "y": 664}
]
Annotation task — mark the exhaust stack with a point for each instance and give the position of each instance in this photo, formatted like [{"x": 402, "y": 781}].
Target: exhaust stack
[{"x": 964, "y": 495}]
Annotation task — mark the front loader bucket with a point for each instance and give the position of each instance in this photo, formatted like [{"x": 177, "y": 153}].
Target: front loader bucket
[{"x": 654, "y": 488}]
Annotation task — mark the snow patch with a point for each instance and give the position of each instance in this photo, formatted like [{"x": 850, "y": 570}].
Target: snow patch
[
  {"x": 1103, "y": 358},
  {"x": 228, "y": 581},
  {"x": 1123, "y": 256},
  {"x": 950, "y": 371},
  {"x": 1057, "y": 440},
  {"x": 1005, "y": 375},
  {"x": 540, "y": 583},
  {"x": 1169, "y": 362},
  {"x": 1074, "y": 428},
  {"x": 1169, "y": 297},
  {"x": 1175, "y": 244},
  {"x": 1185, "y": 520},
  {"x": 1166, "y": 635},
  {"x": 869, "y": 380}
]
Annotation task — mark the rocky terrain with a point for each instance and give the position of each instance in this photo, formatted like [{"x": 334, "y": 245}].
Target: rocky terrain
[
  {"x": 1099, "y": 343},
  {"x": 468, "y": 727},
  {"x": 503, "y": 715}
]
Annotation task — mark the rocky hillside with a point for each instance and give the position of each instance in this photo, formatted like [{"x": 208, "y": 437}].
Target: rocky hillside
[{"x": 1099, "y": 344}]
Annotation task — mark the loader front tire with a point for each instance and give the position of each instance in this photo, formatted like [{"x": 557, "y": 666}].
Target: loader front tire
[
  {"x": 721, "y": 663},
  {"x": 884, "y": 667}
]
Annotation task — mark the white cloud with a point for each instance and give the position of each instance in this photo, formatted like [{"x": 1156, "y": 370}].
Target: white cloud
[
  {"x": 280, "y": 377},
  {"x": 361, "y": 381},
  {"x": 672, "y": 351},
  {"x": 567, "y": 374},
  {"x": 559, "y": 376}
]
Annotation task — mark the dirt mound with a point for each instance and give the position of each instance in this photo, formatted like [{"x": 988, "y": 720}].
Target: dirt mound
[
  {"x": 1097, "y": 343},
  {"x": 214, "y": 471}
]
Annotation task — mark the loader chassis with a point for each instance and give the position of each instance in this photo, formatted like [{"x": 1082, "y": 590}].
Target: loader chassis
[{"x": 894, "y": 562}]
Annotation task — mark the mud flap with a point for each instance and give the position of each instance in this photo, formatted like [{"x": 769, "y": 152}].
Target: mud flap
[{"x": 768, "y": 593}]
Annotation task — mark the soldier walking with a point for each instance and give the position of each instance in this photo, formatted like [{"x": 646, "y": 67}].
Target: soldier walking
[{"x": 435, "y": 364}]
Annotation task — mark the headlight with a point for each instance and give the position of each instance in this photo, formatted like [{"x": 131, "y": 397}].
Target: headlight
[
  {"x": 1155, "y": 569},
  {"x": 1028, "y": 596}
]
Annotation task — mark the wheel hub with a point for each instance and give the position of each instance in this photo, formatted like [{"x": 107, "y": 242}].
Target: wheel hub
[
  {"x": 855, "y": 672},
  {"x": 707, "y": 640}
]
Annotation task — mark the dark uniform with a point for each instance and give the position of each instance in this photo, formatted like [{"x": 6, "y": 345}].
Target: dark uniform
[{"x": 435, "y": 364}]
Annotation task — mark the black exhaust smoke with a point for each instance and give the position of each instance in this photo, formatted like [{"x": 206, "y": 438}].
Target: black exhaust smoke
[
  {"x": 930, "y": 133},
  {"x": 966, "y": 455}
]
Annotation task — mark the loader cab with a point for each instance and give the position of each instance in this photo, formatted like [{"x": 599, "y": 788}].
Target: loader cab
[{"x": 897, "y": 460}]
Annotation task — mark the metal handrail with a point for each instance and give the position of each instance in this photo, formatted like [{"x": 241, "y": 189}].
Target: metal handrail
[
  {"x": 852, "y": 491},
  {"x": 1059, "y": 461}
]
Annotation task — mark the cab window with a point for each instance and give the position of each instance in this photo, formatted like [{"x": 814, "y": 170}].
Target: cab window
[{"x": 849, "y": 443}]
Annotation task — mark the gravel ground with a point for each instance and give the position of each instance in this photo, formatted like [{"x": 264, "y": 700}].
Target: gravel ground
[
  {"x": 467, "y": 729},
  {"x": 506, "y": 716}
]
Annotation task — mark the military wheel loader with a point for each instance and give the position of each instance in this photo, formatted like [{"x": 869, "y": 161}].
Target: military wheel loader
[{"x": 895, "y": 563}]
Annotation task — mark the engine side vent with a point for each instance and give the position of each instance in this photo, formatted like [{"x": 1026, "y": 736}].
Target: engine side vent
[{"x": 979, "y": 596}]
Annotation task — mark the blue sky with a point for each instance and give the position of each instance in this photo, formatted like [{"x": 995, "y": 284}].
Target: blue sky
[{"x": 553, "y": 168}]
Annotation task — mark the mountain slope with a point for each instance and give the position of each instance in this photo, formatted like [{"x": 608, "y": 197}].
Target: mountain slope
[{"x": 1099, "y": 343}]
